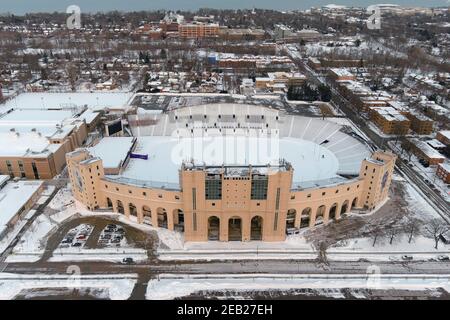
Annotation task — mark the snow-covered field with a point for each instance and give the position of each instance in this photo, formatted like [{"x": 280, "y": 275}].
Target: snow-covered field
[
  {"x": 104, "y": 254},
  {"x": 169, "y": 286},
  {"x": 44, "y": 100},
  {"x": 118, "y": 287},
  {"x": 32, "y": 244}
]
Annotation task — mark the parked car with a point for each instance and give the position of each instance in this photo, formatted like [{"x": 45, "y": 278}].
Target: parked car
[
  {"x": 443, "y": 258},
  {"x": 77, "y": 244},
  {"x": 407, "y": 257},
  {"x": 445, "y": 237},
  {"x": 128, "y": 260}
]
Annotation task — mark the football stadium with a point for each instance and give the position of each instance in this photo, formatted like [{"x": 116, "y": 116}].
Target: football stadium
[{"x": 231, "y": 172}]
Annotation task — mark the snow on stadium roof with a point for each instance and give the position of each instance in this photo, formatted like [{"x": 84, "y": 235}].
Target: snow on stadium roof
[
  {"x": 166, "y": 154},
  {"x": 224, "y": 134},
  {"x": 113, "y": 151}
]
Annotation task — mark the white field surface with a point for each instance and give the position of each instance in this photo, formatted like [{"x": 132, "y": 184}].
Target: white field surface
[
  {"x": 117, "y": 287},
  {"x": 170, "y": 286},
  {"x": 44, "y": 100}
]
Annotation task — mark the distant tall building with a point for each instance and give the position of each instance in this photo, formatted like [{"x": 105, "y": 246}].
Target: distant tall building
[{"x": 198, "y": 30}]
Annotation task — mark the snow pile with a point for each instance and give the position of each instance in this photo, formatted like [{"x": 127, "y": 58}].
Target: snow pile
[
  {"x": 169, "y": 286},
  {"x": 119, "y": 287}
]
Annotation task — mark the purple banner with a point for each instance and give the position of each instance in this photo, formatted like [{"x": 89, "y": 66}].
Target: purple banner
[{"x": 139, "y": 156}]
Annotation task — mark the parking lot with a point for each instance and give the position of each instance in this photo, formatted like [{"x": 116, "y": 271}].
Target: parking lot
[
  {"x": 77, "y": 237},
  {"x": 112, "y": 236},
  {"x": 128, "y": 235}
]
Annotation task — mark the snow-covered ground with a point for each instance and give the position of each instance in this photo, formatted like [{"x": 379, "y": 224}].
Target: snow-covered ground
[
  {"x": 104, "y": 254},
  {"x": 44, "y": 100},
  {"x": 169, "y": 286},
  {"x": 6, "y": 240},
  {"x": 32, "y": 244},
  {"x": 118, "y": 287}
]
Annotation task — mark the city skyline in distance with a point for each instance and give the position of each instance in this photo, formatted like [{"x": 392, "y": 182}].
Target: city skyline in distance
[{"x": 22, "y": 6}]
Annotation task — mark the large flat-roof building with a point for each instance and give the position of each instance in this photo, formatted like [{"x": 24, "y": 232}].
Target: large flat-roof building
[
  {"x": 198, "y": 30},
  {"x": 33, "y": 142},
  {"x": 16, "y": 197},
  {"x": 390, "y": 120},
  {"x": 231, "y": 172}
]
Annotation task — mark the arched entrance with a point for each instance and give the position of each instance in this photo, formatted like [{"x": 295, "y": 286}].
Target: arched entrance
[
  {"x": 178, "y": 219},
  {"x": 290, "y": 219},
  {"x": 256, "y": 228},
  {"x": 344, "y": 207},
  {"x": 147, "y": 213},
  {"x": 235, "y": 229},
  {"x": 319, "y": 215},
  {"x": 332, "y": 213},
  {"x": 109, "y": 203},
  {"x": 162, "y": 217},
  {"x": 213, "y": 228},
  {"x": 305, "y": 218},
  {"x": 354, "y": 202},
  {"x": 120, "y": 207},
  {"x": 133, "y": 210}
]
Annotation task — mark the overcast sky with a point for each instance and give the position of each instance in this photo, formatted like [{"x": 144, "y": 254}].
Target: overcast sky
[{"x": 23, "y": 6}]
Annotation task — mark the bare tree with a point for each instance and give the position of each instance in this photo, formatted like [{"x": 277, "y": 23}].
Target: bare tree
[
  {"x": 435, "y": 228},
  {"x": 376, "y": 234},
  {"x": 72, "y": 74},
  {"x": 392, "y": 233},
  {"x": 412, "y": 228}
]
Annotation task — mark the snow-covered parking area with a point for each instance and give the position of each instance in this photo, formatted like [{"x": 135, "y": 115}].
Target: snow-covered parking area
[
  {"x": 77, "y": 236},
  {"x": 169, "y": 286},
  {"x": 117, "y": 287}
]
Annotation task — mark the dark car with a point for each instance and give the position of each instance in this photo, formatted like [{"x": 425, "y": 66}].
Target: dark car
[
  {"x": 76, "y": 244},
  {"x": 128, "y": 261}
]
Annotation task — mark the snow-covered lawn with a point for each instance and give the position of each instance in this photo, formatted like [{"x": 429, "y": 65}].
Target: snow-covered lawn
[
  {"x": 118, "y": 287},
  {"x": 32, "y": 244},
  {"x": 104, "y": 254},
  {"x": 169, "y": 286}
]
